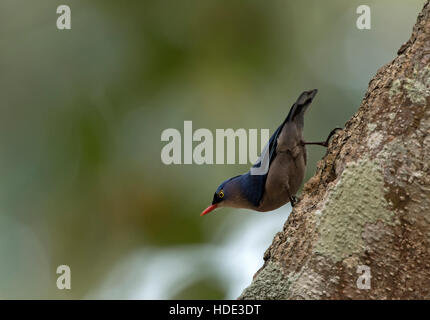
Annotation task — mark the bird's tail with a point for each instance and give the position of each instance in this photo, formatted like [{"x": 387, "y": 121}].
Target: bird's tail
[{"x": 298, "y": 109}]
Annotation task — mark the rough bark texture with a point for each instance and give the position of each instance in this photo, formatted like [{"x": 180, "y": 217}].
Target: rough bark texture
[{"x": 369, "y": 201}]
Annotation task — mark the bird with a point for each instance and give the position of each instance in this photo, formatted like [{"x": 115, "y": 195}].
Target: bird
[{"x": 282, "y": 167}]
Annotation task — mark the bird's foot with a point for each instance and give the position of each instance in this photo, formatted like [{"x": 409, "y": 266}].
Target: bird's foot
[
  {"x": 324, "y": 143},
  {"x": 294, "y": 200},
  {"x": 331, "y": 134}
]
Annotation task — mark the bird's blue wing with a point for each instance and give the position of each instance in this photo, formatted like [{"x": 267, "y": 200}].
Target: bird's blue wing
[{"x": 252, "y": 185}]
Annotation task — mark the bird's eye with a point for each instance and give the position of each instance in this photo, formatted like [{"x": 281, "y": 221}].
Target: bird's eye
[{"x": 221, "y": 194}]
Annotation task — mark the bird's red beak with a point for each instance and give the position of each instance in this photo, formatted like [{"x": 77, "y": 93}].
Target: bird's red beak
[{"x": 209, "y": 209}]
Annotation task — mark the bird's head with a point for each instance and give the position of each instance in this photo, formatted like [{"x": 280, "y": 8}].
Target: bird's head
[{"x": 224, "y": 195}]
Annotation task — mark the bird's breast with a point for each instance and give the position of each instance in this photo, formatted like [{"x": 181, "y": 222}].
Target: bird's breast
[{"x": 284, "y": 179}]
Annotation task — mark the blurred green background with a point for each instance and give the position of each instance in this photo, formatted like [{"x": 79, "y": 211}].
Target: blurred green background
[{"x": 82, "y": 111}]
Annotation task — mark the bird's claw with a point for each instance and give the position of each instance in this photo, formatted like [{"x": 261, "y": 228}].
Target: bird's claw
[
  {"x": 294, "y": 200},
  {"x": 330, "y": 135}
]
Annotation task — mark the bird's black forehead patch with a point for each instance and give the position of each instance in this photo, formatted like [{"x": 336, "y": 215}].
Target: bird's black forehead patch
[{"x": 216, "y": 199}]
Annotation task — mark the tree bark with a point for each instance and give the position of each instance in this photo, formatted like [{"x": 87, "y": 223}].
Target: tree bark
[{"x": 369, "y": 201}]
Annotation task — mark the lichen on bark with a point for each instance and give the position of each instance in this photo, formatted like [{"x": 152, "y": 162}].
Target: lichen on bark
[
  {"x": 369, "y": 201},
  {"x": 356, "y": 200}
]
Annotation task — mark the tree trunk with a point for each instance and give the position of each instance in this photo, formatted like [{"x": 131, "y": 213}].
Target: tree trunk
[{"x": 366, "y": 212}]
